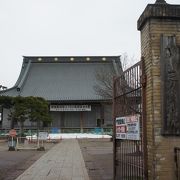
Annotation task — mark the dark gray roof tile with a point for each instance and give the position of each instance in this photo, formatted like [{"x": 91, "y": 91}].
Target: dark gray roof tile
[{"x": 59, "y": 81}]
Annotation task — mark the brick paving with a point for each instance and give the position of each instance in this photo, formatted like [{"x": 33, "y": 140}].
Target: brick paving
[{"x": 63, "y": 162}]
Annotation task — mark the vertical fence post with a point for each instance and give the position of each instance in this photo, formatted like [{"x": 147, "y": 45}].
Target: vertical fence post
[
  {"x": 144, "y": 128},
  {"x": 17, "y": 143},
  {"x": 114, "y": 132},
  {"x": 177, "y": 162}
]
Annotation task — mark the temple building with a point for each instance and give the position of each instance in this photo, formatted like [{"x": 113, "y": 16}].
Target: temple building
[{"x": 67, "y": 83}]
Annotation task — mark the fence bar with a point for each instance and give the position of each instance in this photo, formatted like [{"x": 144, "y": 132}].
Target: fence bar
[
  {"x": 130, "y": 156},
  {"x": 177, "y": 161},
  {"x": 144, "y": 127}
]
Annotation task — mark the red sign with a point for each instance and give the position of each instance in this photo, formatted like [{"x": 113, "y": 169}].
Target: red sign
[
  {"x": 121, "y": 129},
  {"x": 12, "y": 133}
]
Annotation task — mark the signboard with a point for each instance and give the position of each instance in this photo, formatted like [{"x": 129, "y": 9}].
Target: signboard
[
  {"x": 12, "y": 133},
  {"x": 128, "y": 127},
  {"x": 133, "y": 128},
  {"x": 70, "y": 107},
  {"x": 121, "y": 128},
  {"x": 43, "y": 135}
]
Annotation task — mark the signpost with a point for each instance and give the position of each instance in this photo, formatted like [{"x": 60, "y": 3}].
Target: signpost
[
  {"x": 12, "y": 143},
  {"x": 12, "y": 133},
  {"x": 42, "y": 136}
]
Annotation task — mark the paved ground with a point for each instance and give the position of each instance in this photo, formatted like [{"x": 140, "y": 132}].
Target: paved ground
[
  {"x": 98, "y": 157},
  {"x": 64, "y": 161},
  {"x": 14, "y": 163}
]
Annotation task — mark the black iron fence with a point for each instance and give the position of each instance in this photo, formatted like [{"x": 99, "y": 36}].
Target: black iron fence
[
  {"x": 177, "y": 161},
  {"x": 129, "y": 125}
]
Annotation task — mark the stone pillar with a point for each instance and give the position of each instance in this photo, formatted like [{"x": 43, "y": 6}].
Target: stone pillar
[{"x": 157, "y": 21}]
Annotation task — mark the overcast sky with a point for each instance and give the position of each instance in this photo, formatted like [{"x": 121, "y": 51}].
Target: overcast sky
[{"x": 66, "y": 27}]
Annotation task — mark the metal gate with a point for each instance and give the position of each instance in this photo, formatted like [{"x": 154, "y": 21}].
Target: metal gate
[
  {"x": 177, "y": 161},
  {"x": 130, "y": 156}
]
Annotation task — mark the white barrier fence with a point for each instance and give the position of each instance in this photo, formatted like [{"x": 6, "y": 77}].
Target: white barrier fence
[
  {"x": 24, "y": 143},
  {"x": 32, "y": 142}
]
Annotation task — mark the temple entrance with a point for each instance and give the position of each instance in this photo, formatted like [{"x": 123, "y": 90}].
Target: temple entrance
[{"x": 76, "y": 118}]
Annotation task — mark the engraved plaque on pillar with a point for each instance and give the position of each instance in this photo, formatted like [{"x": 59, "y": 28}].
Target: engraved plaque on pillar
[{"x": 170, "y": 85}]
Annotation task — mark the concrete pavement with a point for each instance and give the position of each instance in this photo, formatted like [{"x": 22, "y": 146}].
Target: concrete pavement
[{"x": 63, "y": 162}]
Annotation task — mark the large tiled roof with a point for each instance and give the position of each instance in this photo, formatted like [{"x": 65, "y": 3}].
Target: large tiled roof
[{"x": 61, "y": 78}]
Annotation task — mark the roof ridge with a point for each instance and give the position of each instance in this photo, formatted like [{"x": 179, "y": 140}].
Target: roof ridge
[
  {"x": 74, "y": 56},
  {"x": 70, "y": 59}
]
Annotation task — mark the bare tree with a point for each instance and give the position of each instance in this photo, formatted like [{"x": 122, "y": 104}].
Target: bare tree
[
  {"x": 127, "y": 61},
  {"x": 104, "y": 85},
  {"x": 104, "y": 77}
]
